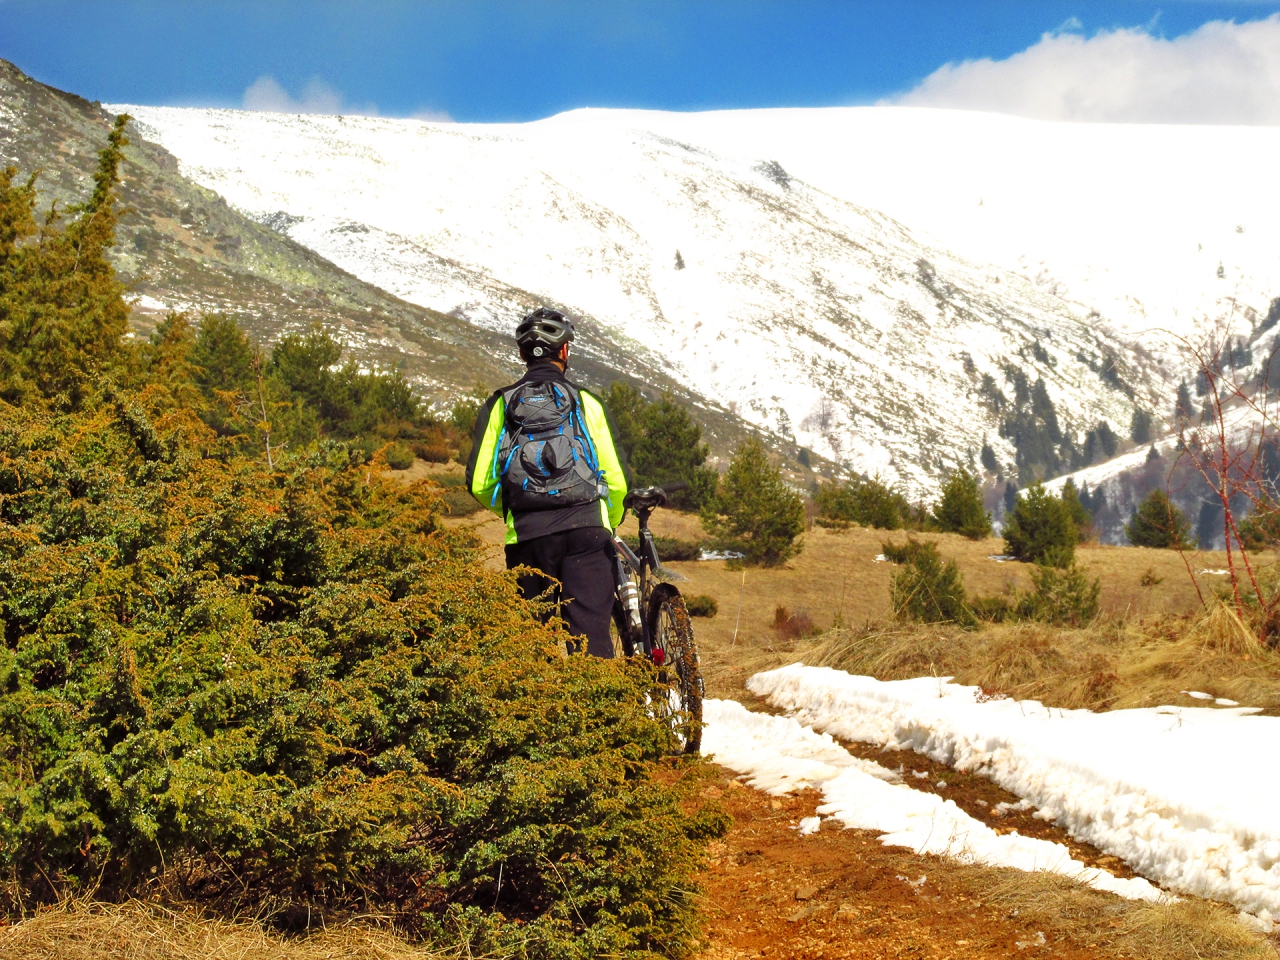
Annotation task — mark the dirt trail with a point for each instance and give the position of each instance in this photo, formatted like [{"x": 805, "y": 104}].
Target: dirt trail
[{"x": 841, "y": 893}]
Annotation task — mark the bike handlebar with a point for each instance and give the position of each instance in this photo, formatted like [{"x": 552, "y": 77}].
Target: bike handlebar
[{"x": 651, "y": 497}]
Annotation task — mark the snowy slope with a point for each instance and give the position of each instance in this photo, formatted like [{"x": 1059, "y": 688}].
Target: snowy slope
[{"x": 796, "y": 288}]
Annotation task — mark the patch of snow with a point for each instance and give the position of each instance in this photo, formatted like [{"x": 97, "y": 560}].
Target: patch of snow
[
  {"x": 1178, "y": 793},
  {"x": 720, "y": 555},
  {"x": 1263, "y": 922},
  {"x": 145, "y": 302},
  {"x": 778, "y": 755},
  {"x": 1003, "y": 808},
  {"x": 809, "y": 825}
]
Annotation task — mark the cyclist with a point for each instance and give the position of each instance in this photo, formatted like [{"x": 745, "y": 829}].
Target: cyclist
[{"x": 546, "y": 459}]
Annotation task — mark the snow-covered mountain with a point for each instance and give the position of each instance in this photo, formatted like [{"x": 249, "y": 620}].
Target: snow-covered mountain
[{"x": 799, "y": 267}]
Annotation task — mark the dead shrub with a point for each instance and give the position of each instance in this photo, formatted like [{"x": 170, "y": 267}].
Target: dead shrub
[{"x": 793, "y": 626}]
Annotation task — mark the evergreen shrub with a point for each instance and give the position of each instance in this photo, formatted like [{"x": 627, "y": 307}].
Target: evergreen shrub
[
  {"x": 1062, "y": 596},
  {"x": 701, "y": 605},
  {"x": 1158, "y": 523},
  {"x": 926, "y": 588},
  {"x": 754, "y": 511},
  {"x": 1260, "y": 530},
  {"x": 295, "y": 685},
  {"x": 278, "y": 683},
  {"x": 866, "y": 501},
  {"x": 960, "y": 509},
  {"x": 1039, "y": 528},
  {"x": 671, "y": 548},
  {"x": 398, "y": 456}
]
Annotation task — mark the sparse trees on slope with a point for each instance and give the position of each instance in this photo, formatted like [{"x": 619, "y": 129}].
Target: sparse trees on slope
[{"x": 754, "y": 511}]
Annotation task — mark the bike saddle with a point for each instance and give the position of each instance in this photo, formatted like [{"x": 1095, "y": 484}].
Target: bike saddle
[{"x": 646, "y": 498}]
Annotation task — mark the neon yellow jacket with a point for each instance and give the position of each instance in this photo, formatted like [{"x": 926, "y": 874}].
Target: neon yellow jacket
[{"x": 485, "y": 484}]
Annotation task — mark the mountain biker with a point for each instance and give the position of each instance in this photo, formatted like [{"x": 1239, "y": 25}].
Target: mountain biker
[{"x": 546, "y": 459}]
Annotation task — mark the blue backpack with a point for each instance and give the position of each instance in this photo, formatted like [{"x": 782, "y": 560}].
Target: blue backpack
[{"x": 545, "y": 457}]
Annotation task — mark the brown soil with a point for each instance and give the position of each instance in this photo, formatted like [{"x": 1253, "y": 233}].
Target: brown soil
[
  {"x": 769, "y": 892},
  {"x": 979, "y": 797},
  {"x": 841, "y": 893}
]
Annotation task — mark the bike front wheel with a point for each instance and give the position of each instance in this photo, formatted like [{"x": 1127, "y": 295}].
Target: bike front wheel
[{"x": 676, "y": 656}]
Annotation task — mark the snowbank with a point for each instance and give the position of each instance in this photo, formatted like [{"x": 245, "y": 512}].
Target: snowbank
[
  {"x": 1187, "y": 796},
  {"x": 778, "y": 755}
]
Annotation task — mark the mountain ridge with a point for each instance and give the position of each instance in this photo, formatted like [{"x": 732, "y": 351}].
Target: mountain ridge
[
  {"x": 817, "y": 319},
  {"x": 180, "y": 246}
]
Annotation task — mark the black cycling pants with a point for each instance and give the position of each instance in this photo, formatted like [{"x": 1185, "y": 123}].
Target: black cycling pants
[{"x": 583, "y": 561}]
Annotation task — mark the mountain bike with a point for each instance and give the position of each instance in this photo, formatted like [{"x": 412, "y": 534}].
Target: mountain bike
[{"x": 650, "y": 620}]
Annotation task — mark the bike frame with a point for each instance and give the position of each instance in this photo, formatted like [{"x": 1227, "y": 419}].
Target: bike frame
[{"x": 642, "y": 566}]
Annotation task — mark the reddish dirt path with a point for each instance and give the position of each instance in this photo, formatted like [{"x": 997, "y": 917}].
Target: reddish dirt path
[{"x": 841, "y": 893}]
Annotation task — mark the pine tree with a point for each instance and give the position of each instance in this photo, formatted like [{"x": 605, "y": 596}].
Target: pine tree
[
  {"x": 661, "y": 442},
  {"x": 1077, "y": 509},
  {"x": 1182, "y": 405},
  {"x": 988, "y": 457},
  {"x": 222, "y": 355},
  {"x": 1158, "y": 523},
  {"x": 960, "y": 510},
  {"x": 303, "y": 362},
  {"x": 626, "y": 406},
  {"x": 670, "y": 448},
  {"x": 754, "y": 511},
  {"x": 1010, "y": 495},
  {"x": 1140, "y": 426},
  {"x": 1039, "y": 529},
  {"x": 62, "y": 311},
  {"x": 867, "y": 501},
  {"x": 168, "y": 358},
  {"x": 1107, "y": 439}
]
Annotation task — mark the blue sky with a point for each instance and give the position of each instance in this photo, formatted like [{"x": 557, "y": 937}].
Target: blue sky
[{"x": 485, "y": 61}]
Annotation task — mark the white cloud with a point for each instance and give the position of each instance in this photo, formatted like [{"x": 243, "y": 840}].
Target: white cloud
[
  {"x": 432, "y": 116},
  {"x": 269, "y": 96},
  {"x": 1223, "y": 72}
]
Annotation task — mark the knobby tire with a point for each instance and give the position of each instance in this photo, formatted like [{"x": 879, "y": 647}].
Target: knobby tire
[{"x": 679, "y": 672}]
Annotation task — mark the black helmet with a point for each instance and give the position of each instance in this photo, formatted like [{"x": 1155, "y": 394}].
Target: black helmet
[{"x": 542, "y": 333}]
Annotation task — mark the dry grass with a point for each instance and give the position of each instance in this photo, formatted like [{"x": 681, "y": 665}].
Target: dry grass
[
  {"x": 138, "y": 931},
  {"x": 1187, "y": 930},
  {"x": 1110, "y": 664}
]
